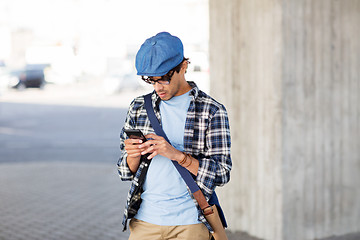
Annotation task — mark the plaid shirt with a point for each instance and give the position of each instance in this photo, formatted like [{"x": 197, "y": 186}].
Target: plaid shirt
[{"x": 206, "y": 138}]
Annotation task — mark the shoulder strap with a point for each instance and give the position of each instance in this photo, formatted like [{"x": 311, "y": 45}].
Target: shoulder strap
[
  {"x": 185, "y": 174},
  {"x": 152, "y": 117}
]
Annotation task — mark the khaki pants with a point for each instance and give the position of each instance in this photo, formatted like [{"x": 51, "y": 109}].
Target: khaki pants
[{"x": 140, "y": 230}]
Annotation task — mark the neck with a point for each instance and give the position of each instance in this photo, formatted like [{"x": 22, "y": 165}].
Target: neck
[{"x": 184, "y": 88}]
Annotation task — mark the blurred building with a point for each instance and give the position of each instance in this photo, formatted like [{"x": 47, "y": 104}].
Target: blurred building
[{"x": 102, "y": 36}]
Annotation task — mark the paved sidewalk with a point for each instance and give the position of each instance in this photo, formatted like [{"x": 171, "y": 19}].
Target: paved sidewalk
[
  {"x": 52, "y": 201},
  {"x": 63, "y": 201}
]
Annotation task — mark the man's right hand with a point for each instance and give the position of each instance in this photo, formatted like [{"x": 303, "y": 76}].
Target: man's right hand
[{"x": 134, "y": 153}]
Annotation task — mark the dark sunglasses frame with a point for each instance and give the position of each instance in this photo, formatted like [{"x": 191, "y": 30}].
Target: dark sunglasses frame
[{"x": 164, "y": 80}]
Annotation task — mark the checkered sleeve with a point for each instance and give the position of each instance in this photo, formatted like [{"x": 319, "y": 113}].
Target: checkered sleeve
[
  {"x": 123, "y": 168},
  {"x": 215, "y": 164}
]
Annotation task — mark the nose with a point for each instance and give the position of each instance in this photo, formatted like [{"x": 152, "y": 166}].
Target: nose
[{"x": 158, "y": 86}]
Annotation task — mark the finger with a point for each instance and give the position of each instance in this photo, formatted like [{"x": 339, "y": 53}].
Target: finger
[
  {"x": 132, "y": 141},
  {"x": 153, "y": 136},
  {"x": 150, "y": 143},
  {"x": 150, "y": 135},
  {"x": 134, "y": 147},
  {"x": 136, "y": 151},
  {"x": 133, "y": 154},
  {"x": 152, "y": 155},
  {"x": 148, "y": 150}
]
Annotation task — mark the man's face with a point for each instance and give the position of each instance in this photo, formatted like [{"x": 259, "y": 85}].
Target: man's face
[{"x": 166, "y": 92}]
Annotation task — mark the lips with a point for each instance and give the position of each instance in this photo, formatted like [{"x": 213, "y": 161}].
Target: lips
[{"x": 162, "y": 94}]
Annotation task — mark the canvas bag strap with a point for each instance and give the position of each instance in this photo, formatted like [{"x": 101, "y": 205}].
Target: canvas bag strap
[{"x": 185, "y": 174}]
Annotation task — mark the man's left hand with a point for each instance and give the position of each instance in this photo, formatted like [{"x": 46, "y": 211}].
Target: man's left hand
[{"x": 158, "y": 145}]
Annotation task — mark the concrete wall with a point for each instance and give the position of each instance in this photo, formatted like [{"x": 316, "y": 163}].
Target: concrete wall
[{"x": 289, "y": 74}]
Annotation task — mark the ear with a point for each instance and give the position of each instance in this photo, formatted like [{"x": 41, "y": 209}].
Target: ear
[{"x": 184, "y": 65}]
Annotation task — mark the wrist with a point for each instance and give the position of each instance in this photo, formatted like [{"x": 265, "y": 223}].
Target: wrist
[
  {"x": 133, "y": 163},
  {"x": 183, "y": 159},
  {"x": 188, "y": 161},
  {"x": 179, "y": 156}
]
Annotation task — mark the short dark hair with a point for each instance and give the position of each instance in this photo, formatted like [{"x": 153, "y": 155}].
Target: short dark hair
[{"x": 178, "y": 67}]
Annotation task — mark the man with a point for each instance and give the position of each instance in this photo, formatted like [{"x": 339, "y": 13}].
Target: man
[{"x": 197, "y": 126}]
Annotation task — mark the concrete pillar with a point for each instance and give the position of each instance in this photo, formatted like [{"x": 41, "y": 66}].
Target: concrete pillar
[{"x": 289, "y": 74}]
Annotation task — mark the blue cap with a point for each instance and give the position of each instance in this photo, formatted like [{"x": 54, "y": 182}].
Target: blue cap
[{"x": 159, "y": 54}]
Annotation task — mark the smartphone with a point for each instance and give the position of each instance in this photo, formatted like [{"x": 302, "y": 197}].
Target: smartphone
[{"x": 135, "y": 134}]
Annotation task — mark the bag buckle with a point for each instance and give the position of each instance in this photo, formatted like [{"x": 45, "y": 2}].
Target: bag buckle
[{"x": 208, "y": 210}]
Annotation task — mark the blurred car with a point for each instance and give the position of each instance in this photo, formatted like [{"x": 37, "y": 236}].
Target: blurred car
[{"x": 32, "y": 76}]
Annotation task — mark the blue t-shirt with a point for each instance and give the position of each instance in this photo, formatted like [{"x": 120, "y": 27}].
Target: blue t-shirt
[{"x": 165, "y": 200}]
